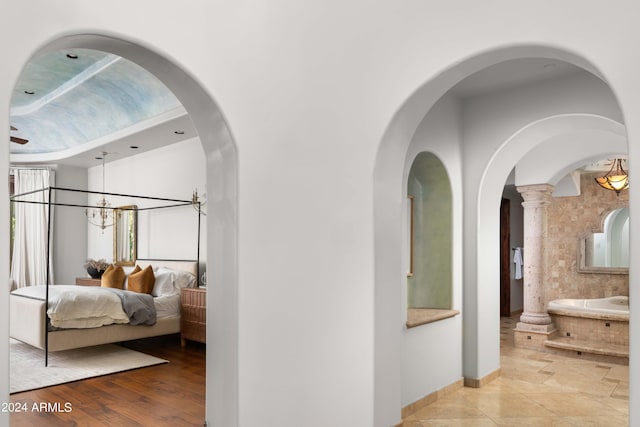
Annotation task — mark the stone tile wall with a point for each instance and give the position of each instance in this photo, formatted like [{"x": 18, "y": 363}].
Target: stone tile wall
[{"x": 568, "y": 219}]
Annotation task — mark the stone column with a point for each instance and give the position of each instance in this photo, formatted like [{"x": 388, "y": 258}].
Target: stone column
[{"x": 534, "y": 317}]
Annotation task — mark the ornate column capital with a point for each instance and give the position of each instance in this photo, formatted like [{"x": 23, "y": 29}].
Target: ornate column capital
[{"x": 536, "y": 194}]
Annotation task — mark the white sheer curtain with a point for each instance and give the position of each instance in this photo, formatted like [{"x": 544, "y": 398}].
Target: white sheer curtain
[{"x": 29, "y": 262}]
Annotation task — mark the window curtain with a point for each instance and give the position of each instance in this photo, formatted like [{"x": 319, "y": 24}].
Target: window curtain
[{"x": 29, "y": 263}]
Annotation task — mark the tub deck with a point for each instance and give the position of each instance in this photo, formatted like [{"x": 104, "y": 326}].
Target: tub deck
[
  {"x": 601, "y": 337},
  {"x": 607, "y": 352}
]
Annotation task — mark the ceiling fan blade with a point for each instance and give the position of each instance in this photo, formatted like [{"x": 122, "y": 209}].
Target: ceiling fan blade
[
  {"x": 18, "y": 140},
  {"x": 13, "y": 127}
]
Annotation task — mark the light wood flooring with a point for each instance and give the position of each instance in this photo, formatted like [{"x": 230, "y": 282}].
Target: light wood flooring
[{"x": 171, "y": 394}]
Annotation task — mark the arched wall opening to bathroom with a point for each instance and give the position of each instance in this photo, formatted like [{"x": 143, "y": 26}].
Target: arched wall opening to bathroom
[
  {"x": 221, "y": 180},
  {"x": 475, "y": 237}
]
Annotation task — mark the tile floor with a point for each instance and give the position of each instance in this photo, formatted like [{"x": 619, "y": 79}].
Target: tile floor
[{"x": 536, "y": 389}]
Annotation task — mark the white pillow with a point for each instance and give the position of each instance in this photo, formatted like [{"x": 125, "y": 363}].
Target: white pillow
[
  {"x": 181, "y": 278},
  {"x": 164, "y": 284},
  {"x": 184, "y": 279}
]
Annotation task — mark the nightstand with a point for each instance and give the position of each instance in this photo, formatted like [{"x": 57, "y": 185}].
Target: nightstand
[
  {"x": 193, "y": 315},
  {"x": 87, "y": 281}
]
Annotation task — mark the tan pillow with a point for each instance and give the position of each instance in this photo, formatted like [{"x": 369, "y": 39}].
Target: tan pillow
[
  {"x": 142, "y": 280},
  {"x": 113, "y": 277}
]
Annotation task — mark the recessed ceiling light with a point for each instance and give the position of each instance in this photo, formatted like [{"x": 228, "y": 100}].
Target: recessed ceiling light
[
  {"x": 72, "y": 56},
  {"x": 178, "y": 132},
  {"x": 134, "y": 147},
  {"x": 28, "y": 92}
]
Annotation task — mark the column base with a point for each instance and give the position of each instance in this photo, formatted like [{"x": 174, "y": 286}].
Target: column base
[
  {"x": 533, "y": 337},
  {"x": 535, "y": 328},
  {"x": 535, "y": 318}
]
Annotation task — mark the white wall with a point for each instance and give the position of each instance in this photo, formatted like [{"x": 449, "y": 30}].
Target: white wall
[
  {"x": 593, "y": 138},
  {"x": 322, "y": 104},
  {"x": 432, "y": 353},
  {"x": 173, "y": 172},
  {"x": 69, "y": 240}
]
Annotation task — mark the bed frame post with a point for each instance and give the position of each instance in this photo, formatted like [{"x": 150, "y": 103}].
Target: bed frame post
[
  {"x": 198, "y": 253},
  {"x": 48, "y": 274}
]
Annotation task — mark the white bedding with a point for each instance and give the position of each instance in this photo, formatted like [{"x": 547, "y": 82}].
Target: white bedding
[
  {"x": 167, "y": 306},
  {"x": 82, "y": 307},
  {"x": 91, "y": 306},
  {"x": 78, "y": 306}
]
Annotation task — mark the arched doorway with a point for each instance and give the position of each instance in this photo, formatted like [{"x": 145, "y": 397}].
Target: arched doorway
[
  {"x": 221, "y": 180},
  {"x": 477, "y": 232}
]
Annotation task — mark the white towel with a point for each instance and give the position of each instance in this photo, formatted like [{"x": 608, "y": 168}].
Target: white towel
[{"x": 517, "y": 260}]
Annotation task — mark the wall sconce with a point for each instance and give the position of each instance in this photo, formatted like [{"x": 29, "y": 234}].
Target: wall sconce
[{"x": 616, "y": 179}]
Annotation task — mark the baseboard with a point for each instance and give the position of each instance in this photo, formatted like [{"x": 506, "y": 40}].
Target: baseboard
[
  {"x": 481, "y": 382},
  {"x": 513, "y": 313},
  {"x": 430, "y": 398}
]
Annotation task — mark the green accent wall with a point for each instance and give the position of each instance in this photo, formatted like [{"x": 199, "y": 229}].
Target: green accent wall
[{"x": 431, "y": 283}]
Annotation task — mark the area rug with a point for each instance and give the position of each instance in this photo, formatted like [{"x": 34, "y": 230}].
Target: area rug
[{"x": 29, "y": 373}]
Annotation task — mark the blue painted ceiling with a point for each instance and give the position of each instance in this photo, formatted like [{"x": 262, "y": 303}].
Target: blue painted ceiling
[{"x": 67, "y": 98}]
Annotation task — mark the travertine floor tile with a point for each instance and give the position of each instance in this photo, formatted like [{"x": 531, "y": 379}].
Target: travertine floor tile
[
  {"x": 536, "y": 389},
  {"x": 619, "y": 404},
  {"x": 507, "y": 405},
  {"x": 449, "y": 407},
  {"x": 463, "y": 422},
  {"x": 622, "y": 390},
  {"x": 533, "y": 422},
  {"x": 609, "y": 421},
  {"x": 618, "y": 372},
  {"x": 572, "y": 404},
  {"x": 573, "y": 382}
]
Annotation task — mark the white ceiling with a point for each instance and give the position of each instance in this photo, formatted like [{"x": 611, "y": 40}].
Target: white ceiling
[{"x": 512, "y": 73}]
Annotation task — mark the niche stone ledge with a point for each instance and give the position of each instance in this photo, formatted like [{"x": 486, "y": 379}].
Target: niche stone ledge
[{"x": 422, "y": 316}]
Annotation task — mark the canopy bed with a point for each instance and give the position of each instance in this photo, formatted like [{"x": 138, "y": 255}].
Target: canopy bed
[{"x": 57, "y": 317}]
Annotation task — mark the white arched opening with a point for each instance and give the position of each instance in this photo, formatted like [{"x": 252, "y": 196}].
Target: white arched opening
[
  {"x": 481, "y": 344},
  {"x": 221, "y": 181},
  {"x": 574, "y": 138}
]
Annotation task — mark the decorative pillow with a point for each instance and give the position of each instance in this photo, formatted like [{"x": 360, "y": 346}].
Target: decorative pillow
[
  {"x": 141, "y": 281},
  {"x": 113, "y": 277},
  {"x": 127, "y": 272}
]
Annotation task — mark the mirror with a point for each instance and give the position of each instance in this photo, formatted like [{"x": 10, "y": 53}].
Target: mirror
[
  {"x": 607, "y": 251},
  {"x": 124, "y": 234}
]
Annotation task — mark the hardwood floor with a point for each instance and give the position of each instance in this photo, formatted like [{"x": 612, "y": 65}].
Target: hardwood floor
[{"x": 171, "y": 394}]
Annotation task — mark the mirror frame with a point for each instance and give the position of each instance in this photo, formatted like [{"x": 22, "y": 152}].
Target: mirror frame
[
  {"x": 583, "y": 268},
  {"x": 582, "y": 265},
  {"x": 116, "y": 214}
]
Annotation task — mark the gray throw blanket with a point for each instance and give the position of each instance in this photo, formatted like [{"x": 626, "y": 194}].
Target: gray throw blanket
[{"x": 139, "y": 307}]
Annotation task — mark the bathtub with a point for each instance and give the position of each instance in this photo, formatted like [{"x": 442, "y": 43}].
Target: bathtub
[{"x": 616, "y": 307}]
